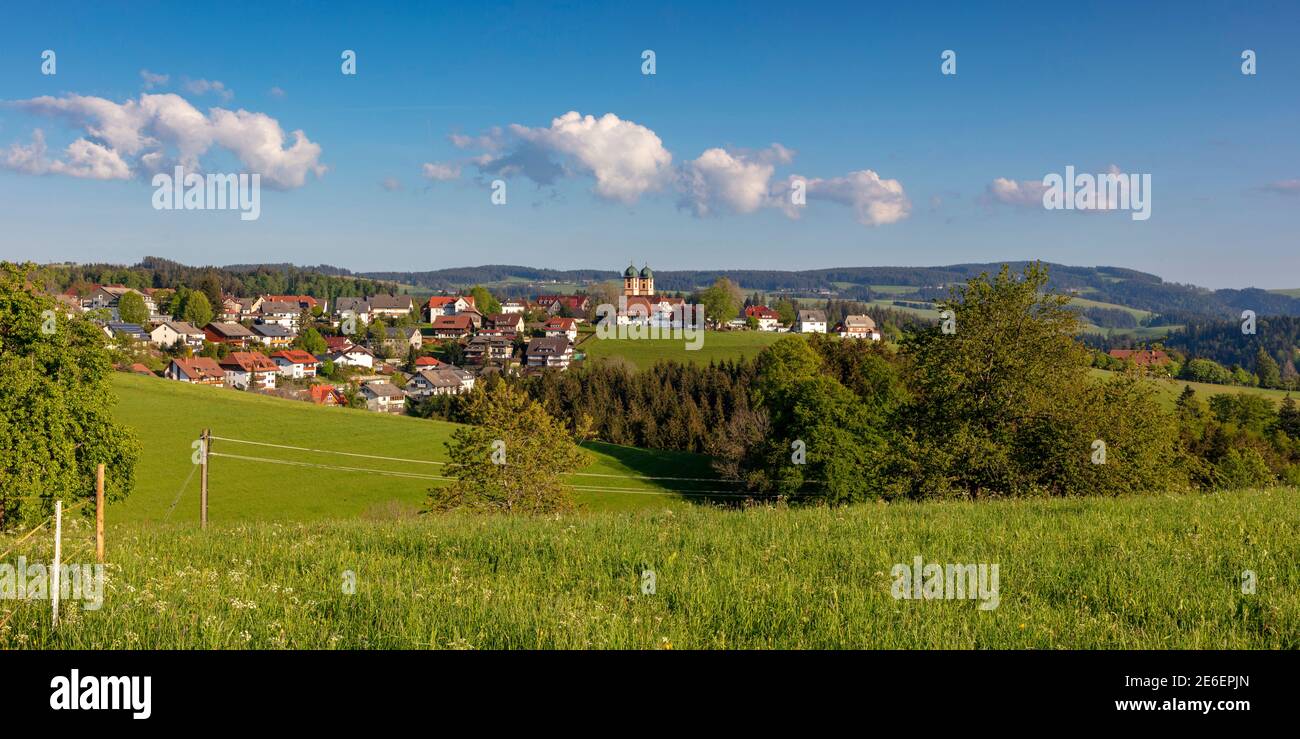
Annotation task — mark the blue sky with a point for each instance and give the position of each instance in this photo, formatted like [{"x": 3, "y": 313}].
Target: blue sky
[{"x": 841, "y": 88}]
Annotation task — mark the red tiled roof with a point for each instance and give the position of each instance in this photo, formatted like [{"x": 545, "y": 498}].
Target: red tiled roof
[
  {"x": 200, "y": 368},
  {"x": 1141, "y": 357},
  {"x": 249, "y": 362},
  {"x": 296, "y": 356},
  {"x": 459, "y": 321},
  {"x": 428, "y": 362}
]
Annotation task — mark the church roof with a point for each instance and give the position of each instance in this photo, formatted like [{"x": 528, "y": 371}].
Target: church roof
[
  {"x": 630, "y": 271},
  {"x": 645, "y": 272}
]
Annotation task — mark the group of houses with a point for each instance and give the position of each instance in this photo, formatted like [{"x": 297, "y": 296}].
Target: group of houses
[{"x": 252, "y": 343}]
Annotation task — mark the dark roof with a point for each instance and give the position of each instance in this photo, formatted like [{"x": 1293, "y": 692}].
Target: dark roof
[
  {"x": 272, "y": 330},
  {"x": 548, "y": 345}
]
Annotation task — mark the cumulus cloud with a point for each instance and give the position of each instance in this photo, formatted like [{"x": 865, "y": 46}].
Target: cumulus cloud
[
  {"x": 155, "y": 132},
  {"x": 719, "y": 180},
  {"x": 441, "y": 172},
  {"x": 625, "y": 158},
  {"x": 875, "y": 201},
  {"x": 83, "y": 158},
  {"x": 628, "y": 160},
  {"x": 1022, "y": 193},
  {"x": 152, "y": 80},
  {"x": 203, "y": 87},
  {"x": 391, "y": 184}
]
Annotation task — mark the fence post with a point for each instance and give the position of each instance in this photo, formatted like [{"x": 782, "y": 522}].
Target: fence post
[
  {"x": 58, "y": 552},
  {"x": 99, "y": 513},
  {"x": 203, "y": 484}
]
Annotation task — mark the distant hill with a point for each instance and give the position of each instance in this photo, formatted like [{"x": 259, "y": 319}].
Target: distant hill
[{"x": 1116, "y": 285}]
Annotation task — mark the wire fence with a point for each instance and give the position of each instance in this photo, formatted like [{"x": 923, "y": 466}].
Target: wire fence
[{"x": 588, "y": 488}]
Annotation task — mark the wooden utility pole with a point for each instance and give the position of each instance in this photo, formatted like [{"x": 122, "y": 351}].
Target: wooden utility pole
[
  {"x": 99, "y": 514},
  {"x": 203, "y": 488}
]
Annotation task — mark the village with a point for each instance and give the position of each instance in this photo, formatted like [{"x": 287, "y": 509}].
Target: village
[{"x": 383, "y": 351}]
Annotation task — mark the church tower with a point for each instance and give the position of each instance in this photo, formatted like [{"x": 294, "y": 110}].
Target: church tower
[{"x": 640, "y": 283}]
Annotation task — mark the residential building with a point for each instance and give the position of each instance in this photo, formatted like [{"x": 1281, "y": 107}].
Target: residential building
[
  {"x": 549, "y": 352},
  {"x": 484, "y": 349},
  {"x": 279, "y": 313},
  {"x": 130, "y": 330},
  {"x": 353, "y": 356},
  {"x": 358, "y": 308},
  {"x": 383, "y": 396},
  {"x": 305, "y": 303},
  {"x": 196, "y": 370},
  {"x": 229, "y": 333},
  {"x": 108, "y": 296},
  {"x": 566, "y": 327},
  {"x": 767, "y": 318},
  {"x": 273, "y": 335},
  {"x": 168, "y": 333},
  {"x": 295, "y": 363},
  {"x": 327, "y": 395},
  {"x": 249, "y": 370},
  {"x": 859, "y": 327},
  {"x": 555, "y": 304},
  {"x": 452, "y": 327},
  {"x": 810, "y": 322},
  {"x": 446, "y": 305},
  {"x": 514, "y": 307},
  {"x": 391, "y": 306},
  {"x": 440, "y": 381},
  {"x": 398, "y": 341}
]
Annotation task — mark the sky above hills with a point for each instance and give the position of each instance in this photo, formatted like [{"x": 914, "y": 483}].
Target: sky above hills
[{"x": 692, "y": 167}]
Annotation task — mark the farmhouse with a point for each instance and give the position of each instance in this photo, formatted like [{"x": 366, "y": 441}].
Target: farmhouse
[
  {"x": 249, "y": 370},
  {"x": 858, "y": 327},
  {"x": 169, "y": 333},
  {"x": 295, "y": 363},
  {"x": 198, "y": 370}
]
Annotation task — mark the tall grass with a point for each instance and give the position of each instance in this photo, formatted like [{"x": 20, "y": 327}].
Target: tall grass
[{"x": 1138, "y": 572}]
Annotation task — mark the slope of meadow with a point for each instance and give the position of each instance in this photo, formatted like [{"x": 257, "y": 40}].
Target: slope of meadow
[
  {"x": 168, "y": 418},
  {"x": 1150, "y": 572}
]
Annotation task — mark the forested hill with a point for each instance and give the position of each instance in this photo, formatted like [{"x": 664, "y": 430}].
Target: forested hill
[{"x": 1117, "y": 285}]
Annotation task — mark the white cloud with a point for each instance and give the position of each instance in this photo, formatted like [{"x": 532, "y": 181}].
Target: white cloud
[
  {"x": 391, "y": 184},
  {"x": 875, "y": 201},
  {"x": 203, "y": 87},
  {"x": 82, "y": 158},
  {"x": 440, "y": 171},
  {"x": 276, "y": 92},
  {"x": 719, "y": 180},
  {"x": 626, "y": 159},
  {"x": 1023, "y": 193},
  {"x": 156, "y": 131},
  {"x": 152, "y": 80}
]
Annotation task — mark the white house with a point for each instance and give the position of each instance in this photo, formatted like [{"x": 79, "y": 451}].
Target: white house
[
  {"x": 295, "y": 363},
  {"x": 810, "y": 322},
  {"x": 383, "y": 396},
  {"x": 353, "y": 356},
  {"x": 440, "y": 381},
  {"x": 167, "y": 333}
]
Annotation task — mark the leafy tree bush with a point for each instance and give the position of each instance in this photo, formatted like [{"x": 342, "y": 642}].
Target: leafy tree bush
[{"x": 55, "y": 406}]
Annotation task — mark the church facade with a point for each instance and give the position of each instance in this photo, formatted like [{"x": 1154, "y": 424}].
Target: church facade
[{"x": 638, "y": 283}]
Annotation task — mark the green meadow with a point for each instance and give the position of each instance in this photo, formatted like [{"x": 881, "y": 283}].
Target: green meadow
[
  {"x": 1145, "y": 572},
  {"x": 716, "y": 346},
  {"x": 168, "y": 418}
]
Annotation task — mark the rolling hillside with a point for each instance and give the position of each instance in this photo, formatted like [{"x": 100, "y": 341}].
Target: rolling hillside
[{"x": 169, "y": 416}]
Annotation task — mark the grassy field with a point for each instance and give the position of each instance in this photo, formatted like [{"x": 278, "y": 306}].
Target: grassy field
[
  {"x": 717, "y": 345},
  {"x": 1170, "y": 389},
  {"x": 1134, "y": 572},
  {"x": 168, "y": 416}
]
